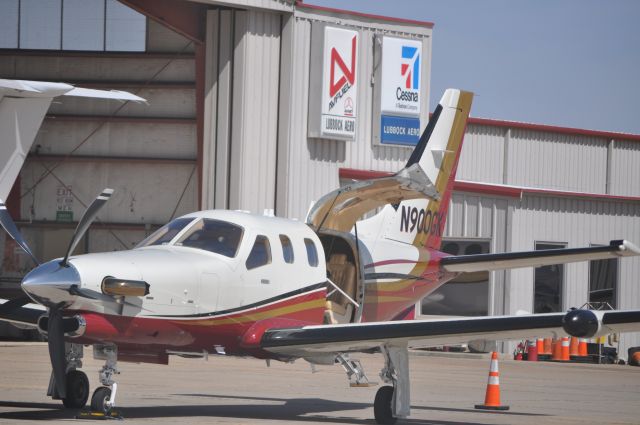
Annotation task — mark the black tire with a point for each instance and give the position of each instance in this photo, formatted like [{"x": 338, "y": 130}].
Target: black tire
[
  {"x": 99, "y": 400},
  {"x": 77, "y": 390},
  {"x": 382, "y": 409}
]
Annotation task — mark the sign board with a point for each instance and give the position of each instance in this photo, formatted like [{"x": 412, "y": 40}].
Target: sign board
[
  {"x": 399, "y": 91},
  {"x": 64, "y": 201},
  {"x": 333, "y": 87}
]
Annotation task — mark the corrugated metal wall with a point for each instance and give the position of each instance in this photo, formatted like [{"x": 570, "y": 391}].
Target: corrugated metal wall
[
  {"x": 313, "y": 164},
  {"x": 625, "y": 172},
  {"x": 482, "y": 217},
  {"x": 241, "y": 109},
  {"x": 550, "y": 160},
  {"x": 255, "y": 111},
  {"x": 578, "y": 223}
]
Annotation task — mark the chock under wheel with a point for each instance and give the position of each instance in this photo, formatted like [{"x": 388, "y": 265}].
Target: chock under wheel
[{"x": 100, "y": 416}]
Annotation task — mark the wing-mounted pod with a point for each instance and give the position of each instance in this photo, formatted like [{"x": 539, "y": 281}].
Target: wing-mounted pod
[
  {"x": 582, "y": 323},
  {"x": 591, "y": 323}
]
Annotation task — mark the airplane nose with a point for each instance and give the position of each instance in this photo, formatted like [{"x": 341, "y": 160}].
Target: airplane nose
[{"x": 49, "y": 283}]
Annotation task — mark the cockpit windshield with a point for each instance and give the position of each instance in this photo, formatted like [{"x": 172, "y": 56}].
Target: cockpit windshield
[
  {"x": 216, "y": 236},
  {"x": 163, "y": 235}
]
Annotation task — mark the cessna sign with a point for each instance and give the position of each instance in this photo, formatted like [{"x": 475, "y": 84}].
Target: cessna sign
[
  {"x": 400, "y": 91},
  {"x": 338, "y": 86}
]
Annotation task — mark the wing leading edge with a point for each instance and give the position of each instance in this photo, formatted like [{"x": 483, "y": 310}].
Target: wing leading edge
[
  {"x": 510, "y": 260},
  {"x": 311, "y": 341}
]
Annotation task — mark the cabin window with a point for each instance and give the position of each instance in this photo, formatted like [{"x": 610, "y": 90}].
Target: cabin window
[
  {"x": 312, "y": 252},
  {"x": 219, "y": 237},
  {"x": 166, "y": 233},
  {"x": 260, "y": 253},
  {"x": 287, "y": 249}
]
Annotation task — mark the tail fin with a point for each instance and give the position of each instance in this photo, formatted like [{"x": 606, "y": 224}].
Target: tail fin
[
  {"x": 417, "y": 197},
  {"x": 421, "y": 221}
]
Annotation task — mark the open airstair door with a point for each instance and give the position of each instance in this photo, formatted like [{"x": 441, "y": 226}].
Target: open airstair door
[
  {"x": 339, "y": 210},
  {"x": 345, "y": 289}
]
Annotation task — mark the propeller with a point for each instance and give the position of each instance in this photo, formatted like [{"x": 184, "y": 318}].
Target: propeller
[
  {"x": 86, "y": 220},
  {"x": 57, "y": 352},
  {"x": 55, "y": 327},
  {"x": 7, "y": 222}
]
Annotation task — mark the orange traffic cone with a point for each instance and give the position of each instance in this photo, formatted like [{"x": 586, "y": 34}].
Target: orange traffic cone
[
  {"x": 492, "y": 397},
  {"x": 573, "y": 347},
  {"x": 565, "y": 349},
  {"x": 582, "y": 348},
  {"x": 556, "y": 347}
]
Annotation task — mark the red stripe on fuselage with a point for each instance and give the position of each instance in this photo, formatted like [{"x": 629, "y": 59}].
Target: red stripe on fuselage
[{"x": 199, "y": 333}]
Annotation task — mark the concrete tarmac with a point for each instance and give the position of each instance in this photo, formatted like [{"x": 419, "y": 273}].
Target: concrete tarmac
[{"x": 239, "y": 391}]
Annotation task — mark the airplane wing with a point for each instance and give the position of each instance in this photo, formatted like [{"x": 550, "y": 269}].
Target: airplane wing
[
  {"x": 510, "y": 260},
  {"x": 23, "y": 105},
  {"x": 25, "y": 315},
  {"x": 318, "y": 341}
]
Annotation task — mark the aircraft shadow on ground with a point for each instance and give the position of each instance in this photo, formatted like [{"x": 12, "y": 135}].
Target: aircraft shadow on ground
[{"x": 300, "y": 409}]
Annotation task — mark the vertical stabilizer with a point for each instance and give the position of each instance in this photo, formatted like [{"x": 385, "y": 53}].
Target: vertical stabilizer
[{"x": 421, "y": 221}]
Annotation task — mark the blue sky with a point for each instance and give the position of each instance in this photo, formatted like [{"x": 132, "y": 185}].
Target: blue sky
[{"x": 572, "y": 63}]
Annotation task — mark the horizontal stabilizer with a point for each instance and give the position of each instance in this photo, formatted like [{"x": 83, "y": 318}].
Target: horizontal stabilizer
[{"x": 512, "y": 260}]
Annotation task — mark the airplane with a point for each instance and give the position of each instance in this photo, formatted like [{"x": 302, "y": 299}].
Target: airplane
[{"x": 232, "y": 283}]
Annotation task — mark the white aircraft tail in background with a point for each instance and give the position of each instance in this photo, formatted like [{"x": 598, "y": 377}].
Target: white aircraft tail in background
[{"x": 23, "y": 105}]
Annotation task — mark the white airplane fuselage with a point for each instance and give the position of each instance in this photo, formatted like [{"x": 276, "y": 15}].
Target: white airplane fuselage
[{"x": 201, "y": 300}]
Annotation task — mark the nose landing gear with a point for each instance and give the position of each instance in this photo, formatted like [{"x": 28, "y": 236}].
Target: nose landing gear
[{"x": 103, "y": 399}]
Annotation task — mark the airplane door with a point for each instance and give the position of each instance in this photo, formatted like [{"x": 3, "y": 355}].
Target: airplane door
[{"x": 209, "y": 291}]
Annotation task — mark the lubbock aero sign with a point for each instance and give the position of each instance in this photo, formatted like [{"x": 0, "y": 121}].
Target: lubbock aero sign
[
  {"x": 400, "y": 91},
  {"x": 337, "y": 111}
]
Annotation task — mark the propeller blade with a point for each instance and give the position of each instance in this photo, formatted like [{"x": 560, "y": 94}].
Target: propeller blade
[
  {"x": 13, "y": 304},
  {"x": 7, "y": 222},
  {"x": 57, "y": 354},
  {"x": 86, "y": 220}
]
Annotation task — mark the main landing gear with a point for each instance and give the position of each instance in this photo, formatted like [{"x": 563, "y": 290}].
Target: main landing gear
[
  {"x": 103, "y": 399},
  {"x": 393, "y": 401},
  {"x": 77, "y": 382}
]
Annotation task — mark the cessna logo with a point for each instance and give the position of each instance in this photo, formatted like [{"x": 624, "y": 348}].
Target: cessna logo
[
  {"x": 347, "y": 79},
  {"x": 421, "y": 220},
  {"x": 410, "y": 71}
]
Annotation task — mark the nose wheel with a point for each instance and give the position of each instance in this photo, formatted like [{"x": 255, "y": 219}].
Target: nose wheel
[{"x": 101, "y": 400}]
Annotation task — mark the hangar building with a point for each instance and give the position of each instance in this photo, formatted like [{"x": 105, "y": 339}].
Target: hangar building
[{"x": 269, "y": 104}]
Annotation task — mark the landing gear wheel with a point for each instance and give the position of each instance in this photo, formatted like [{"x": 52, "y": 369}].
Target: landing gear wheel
[
  {"x": 77, "y": 390},
  {"x": 382, "y": 409},
  {"x": 99, "y": 400}
]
